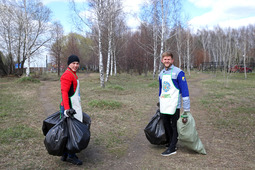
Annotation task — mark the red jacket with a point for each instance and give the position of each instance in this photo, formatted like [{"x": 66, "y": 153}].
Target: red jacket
[{"x": 68, "y": 80}]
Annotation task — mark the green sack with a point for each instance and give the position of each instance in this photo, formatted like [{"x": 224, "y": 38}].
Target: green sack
[{"x": 187, "y": 134}]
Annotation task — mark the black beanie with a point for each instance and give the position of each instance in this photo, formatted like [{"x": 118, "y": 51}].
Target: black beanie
[{"x": 72, "y": 58}]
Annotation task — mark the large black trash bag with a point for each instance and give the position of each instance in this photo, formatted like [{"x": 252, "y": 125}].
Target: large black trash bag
[
  {"x": 78, "y": 135},
  {"x": 155, "y": 131},
  {"x": 86, "y": 120},
  {"x": 56, "y": 139},
  {"x": 51, "y": 121}
]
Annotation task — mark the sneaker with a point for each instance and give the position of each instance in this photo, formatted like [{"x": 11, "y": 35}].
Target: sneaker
[
  {"x": 74, "y": 160},
  {"x": 168, "y": 152}
]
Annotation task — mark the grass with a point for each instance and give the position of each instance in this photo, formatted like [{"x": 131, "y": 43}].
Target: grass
[
  {"x": 16, "y": 133},
  {"x": 49, "y": 77},
  {"x": 154, "y": 84},
  {"x": 115, "y": 87},
  {"x": 116, "y": 109},
  {"x": 20, "y": 134},
  {"x": 28, "y": 80},
  {"x": 232, "y": 104},
  {"x": 117, "y": 112},
  {"x": 104, "y": 104}
]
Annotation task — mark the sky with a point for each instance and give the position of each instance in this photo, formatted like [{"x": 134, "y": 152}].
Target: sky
[{"x": 201, "y": 13}]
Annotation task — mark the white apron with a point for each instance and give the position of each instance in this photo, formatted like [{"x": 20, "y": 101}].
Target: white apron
[
  {"x": 169, "y": 95},
  {"x": 76, "y": 102}
]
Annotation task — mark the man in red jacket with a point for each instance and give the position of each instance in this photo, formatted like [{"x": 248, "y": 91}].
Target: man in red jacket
[{"x": 70, "y": 105}]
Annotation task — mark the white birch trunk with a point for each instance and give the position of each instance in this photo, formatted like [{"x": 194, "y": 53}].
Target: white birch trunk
[
  {"x": 188, "y": 54},
  {"x": 28, "y": 66},
  {"x": 115, "y": 63},
  {"x": 155, "y": 39},
  {"x": 111, "y": 62},
  {"x": 244, "y": 59},
  {"x": 101, "y": 64},
  {"x": 27, "y": 46},
  {"x": 178, "y": 41},
  {"x": 162, "y": 34},
  {"x": 230, "y": 56},
  {"x": 108, "y": 57}
]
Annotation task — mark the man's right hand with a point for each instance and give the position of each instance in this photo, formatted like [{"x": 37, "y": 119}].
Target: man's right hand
[{"x": 69, "y": 112}]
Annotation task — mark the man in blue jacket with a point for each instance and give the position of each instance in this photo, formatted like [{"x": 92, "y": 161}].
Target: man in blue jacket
[{"x": 173, "y": 89}]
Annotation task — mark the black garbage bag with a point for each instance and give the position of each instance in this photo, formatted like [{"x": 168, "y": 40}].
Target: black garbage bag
[
  {"x": 155, "y": 131},
  {"x": 78, "y": 135},
  {"x": 56, "y": 138},
  {"x": 86, "y": 120},
  {"x": 51, "y": 121}
]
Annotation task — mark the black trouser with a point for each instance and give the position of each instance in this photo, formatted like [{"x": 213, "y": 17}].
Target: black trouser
[{"x": 170, "y": 124}]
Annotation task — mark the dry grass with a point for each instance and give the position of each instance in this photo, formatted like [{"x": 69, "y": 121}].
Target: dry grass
[{"x": 117, "y": 139}]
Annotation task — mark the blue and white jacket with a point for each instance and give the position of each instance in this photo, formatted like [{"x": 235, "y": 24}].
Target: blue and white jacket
[{"x": 179, "y": 80}]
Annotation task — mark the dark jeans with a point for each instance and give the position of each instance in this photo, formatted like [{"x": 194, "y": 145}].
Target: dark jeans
[{"x": 170, "y": 124}]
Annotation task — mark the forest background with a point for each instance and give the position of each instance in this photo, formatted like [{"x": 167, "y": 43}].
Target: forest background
[
  {"x": 222, "y": 102},
  {"x": 107, "y": 45}
]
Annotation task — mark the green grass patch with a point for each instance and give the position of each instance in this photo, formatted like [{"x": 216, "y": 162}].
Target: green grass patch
[
  {"x": 230, "y": 102},
  {"x": 28, "y": 80},
  {"x": 11, "y": 105},
  {"x": 116, "y": 87},
  {"x": 49, "y": 77},
  {"x": 16, "y": 133},
  {"x": 3, "y": 115},
  {"x": 105, "y": 104},
  {"x": 154, "y": 84}
]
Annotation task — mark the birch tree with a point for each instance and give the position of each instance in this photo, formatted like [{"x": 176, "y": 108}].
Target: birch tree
[
  {"x": 30, "y": 28},
  {"x": 188, "y": 52},
  {"x": 204, "y": 40},
  {"x": 36, "y": 28},
  {"x": 244, "y": 49},
  {"x": 7, "y": 34},
  {"x": 57, "y": 47},
  {"x": 164, "y": 17},
  {"x": 113, "y": 12},
  {"x": 162, "y": 32},
  {"x": 155, "y": 42},
  {"x": 99, "y": 8},
  {"x": 179, "y": 37},
  {"x": 101, "y": 20}
]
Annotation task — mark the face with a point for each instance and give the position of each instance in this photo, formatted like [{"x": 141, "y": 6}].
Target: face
[
  {"x": 74, "y": 66},
  {"x": 167, "y": 61}
]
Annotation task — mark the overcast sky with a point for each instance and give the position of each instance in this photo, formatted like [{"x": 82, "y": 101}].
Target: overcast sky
[
  {"x": 202, "y": 13},
  {"x": 225, "y": 13}
]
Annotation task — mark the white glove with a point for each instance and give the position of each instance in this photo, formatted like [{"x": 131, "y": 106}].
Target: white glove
[
  {"x": 69, "y": 112},
  {"x": 66, "y": 113}
]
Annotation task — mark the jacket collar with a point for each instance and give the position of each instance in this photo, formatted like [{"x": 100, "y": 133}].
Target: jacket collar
[{"x": 170, "y": 68}]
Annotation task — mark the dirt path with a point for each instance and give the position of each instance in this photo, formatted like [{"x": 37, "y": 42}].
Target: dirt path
[
  {"x": 45, "y": 97},
  {"x": 142, "y": 155},
  {"x": 223, "y": 150}
]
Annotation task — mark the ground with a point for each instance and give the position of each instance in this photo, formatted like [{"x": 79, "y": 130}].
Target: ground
[{"x": 224, "y": 150}]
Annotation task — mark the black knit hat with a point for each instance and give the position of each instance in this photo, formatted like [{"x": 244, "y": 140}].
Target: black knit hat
[{"x": 72, "y": 58}]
